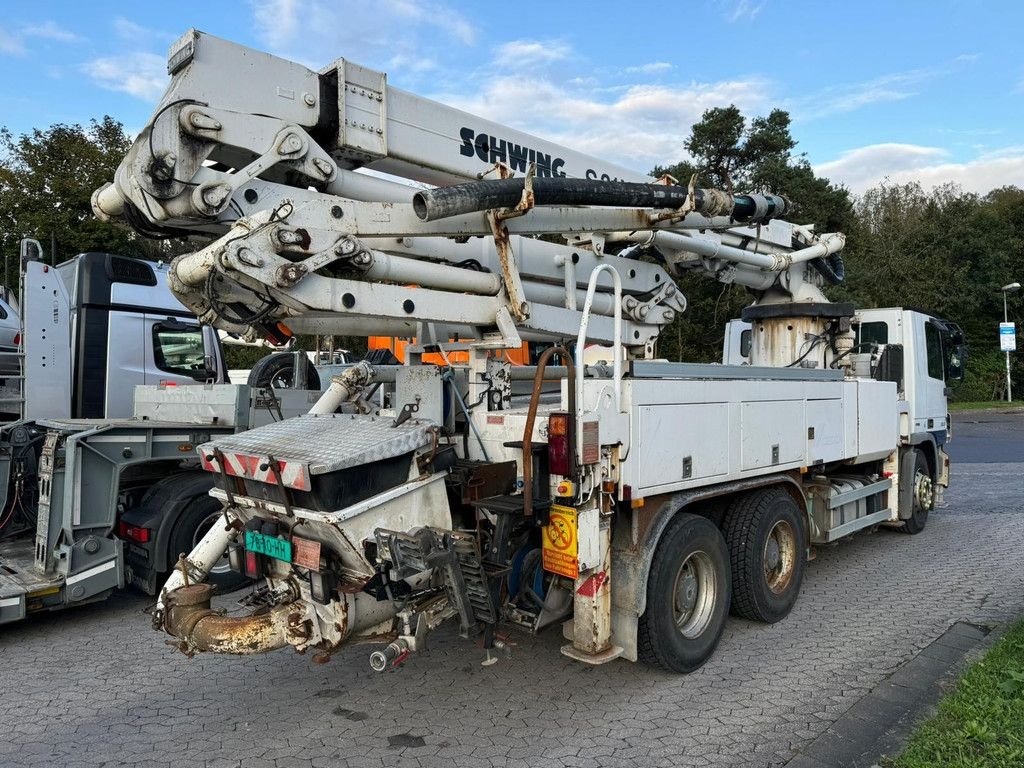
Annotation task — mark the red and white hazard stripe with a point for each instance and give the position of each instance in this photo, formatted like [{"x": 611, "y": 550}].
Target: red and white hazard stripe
[{"x": 294, "y": 474}]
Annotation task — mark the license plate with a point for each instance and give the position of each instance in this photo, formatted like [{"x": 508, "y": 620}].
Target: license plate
[{"x": 268, "y": 545}]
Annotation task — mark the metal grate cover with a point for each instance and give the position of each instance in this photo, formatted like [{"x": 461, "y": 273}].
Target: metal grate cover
[{"x": 328, "y": 443}]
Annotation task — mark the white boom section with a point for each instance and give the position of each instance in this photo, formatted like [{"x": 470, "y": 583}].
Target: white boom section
[{"x": 263, "y": 154}]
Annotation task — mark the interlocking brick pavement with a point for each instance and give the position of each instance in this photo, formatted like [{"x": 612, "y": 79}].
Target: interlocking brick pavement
[{"x": 96, "y": 687}]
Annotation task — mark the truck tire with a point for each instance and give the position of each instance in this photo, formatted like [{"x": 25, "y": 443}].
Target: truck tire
[
  {"x": 278, "y": 371},
  {"x": 922, "y": 496},
  {"x": 202, "y": 513},
  {"x": 765, "y": 534},
  {"x": 687, "y": 596}
]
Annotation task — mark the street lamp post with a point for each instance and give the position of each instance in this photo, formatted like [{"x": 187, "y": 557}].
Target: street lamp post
[{"x": 1008, "y": 289}]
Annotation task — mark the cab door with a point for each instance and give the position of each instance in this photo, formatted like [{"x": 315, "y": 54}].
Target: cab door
[{"x": 930, "y": 380}]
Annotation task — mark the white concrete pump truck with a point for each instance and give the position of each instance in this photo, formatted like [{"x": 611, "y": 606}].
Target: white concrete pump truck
[{"x": 637, "y": 508}]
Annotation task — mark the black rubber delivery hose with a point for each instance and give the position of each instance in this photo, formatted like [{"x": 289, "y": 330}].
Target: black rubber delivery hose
[
  {"x": 475, "y": 196},
  {"x": 830, "y": 267}
]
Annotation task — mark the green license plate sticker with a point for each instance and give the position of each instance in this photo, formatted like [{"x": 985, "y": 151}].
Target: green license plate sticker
[{"x": 268, "y": 545}]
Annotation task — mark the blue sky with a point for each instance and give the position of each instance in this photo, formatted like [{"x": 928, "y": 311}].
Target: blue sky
[{"x": 928, "y": 91}]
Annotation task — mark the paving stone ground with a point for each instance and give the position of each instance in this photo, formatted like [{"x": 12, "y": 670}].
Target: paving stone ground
[{"x": 96, "y": 687}]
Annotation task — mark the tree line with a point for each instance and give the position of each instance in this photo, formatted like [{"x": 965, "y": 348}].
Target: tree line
[{"x": 945, "y": 250}]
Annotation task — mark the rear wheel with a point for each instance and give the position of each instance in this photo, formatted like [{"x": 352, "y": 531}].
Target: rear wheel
[
  {"x": 687, "y": 596},
  {"x": 922, "y": 496},
  {"x": 196, "y": 520},
  {"x": 764, "y": 532},
  {"x": 278, "y": 371}
]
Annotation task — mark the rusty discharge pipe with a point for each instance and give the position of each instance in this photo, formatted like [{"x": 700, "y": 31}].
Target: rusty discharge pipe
[
  {"x": 531, "y": 416},
  {"x": 189, "y": 618}
]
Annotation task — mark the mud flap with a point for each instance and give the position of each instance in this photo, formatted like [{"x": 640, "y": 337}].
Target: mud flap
[{"x": 908, "y": 462}]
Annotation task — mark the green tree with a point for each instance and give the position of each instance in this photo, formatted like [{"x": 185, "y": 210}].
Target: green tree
[
  {"x": 47, "y": 178},
  {"x": 945, "y": 251},
  {"x": 729, "y": 152}
]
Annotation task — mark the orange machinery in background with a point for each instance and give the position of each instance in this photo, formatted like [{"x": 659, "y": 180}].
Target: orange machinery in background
[{"x": 397, "y": 346}]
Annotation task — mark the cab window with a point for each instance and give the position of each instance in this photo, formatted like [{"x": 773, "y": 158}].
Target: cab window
[
  {"x": 873, "y": 333},
  {"x": 178, "y": 349},
  {"x": 933, "y": 344},
  {"x": 745, "y": 342}
]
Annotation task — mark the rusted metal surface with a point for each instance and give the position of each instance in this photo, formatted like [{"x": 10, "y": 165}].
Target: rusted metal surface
[
  {"x": 509, "y": 273},
  {"x": 198, "y": 628}
]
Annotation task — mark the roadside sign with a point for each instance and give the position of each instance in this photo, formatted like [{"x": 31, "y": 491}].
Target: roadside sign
[
  {"x": 1007, "y": 337},
  {"x": 560, "y": 551}
]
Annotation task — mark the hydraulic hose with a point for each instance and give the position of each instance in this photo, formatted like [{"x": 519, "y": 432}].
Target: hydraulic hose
[
  {"x": 531, "y": 416},
  {"x": 475, "y": 196},
  {"x": 830, "y": 267}
]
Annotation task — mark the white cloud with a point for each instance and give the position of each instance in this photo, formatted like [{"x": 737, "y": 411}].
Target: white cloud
[
  {"x": 864, "y": 167},
  {"x": 128, "y": 30},
  {"x": 893, "y": 86},
  {"x": 525, "y": 53},
  {"x": 638, "y": 126},
  {"x": 11, "y": 44},
  {"x": 143, "y": 75},
  {"x": 745, "y": 10},
  {"x": 49, "y": 30},
  {"x": 317, "y": 32},
  {"x": 650, "y": 69},
  {"x": 277, "y": 21}
]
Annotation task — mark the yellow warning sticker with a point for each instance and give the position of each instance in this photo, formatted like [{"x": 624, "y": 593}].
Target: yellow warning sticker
[{"x": 560, "y": 553}]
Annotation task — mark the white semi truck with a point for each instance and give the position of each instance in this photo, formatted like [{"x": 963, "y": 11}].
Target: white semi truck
[
  {"x": 635, "y": 510},
  {"x": 106, "y": 388}
]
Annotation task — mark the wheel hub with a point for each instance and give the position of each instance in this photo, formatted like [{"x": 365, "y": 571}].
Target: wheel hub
[
  {"x": 924, "y": 491},
  {"x": 695, "y": 595},
  {"x": 686, "y": 596},
  {"x": 771, "y": 554},
  {"x": 779, "y": 557}
]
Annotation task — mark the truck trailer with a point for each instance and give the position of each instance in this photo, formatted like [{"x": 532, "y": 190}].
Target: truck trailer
[
  {"x": 110, "y": 385},
  {"x": 638, "y": 508}
]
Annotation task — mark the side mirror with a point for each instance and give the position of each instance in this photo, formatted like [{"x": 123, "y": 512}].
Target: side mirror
[
  {"x": 30, "y": 250},
  {"x": 211, "y": 354},
  {"x": 956, "y": 362}
]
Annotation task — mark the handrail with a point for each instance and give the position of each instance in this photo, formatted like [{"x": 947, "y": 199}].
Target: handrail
[{"x": 582, "y": 338}]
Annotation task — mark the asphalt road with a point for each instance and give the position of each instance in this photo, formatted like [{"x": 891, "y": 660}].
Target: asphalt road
[
  {"x": 988, "y": 436},
  {"x": 96, "y": 687}
]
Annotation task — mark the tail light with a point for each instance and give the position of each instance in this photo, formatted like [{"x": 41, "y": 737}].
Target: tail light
[
  {"x": 559, "y": 443},
  {"x": 133, "y": 533},
  {"x": 252, "y": 564},
  {"x": 17, "y": 339}
]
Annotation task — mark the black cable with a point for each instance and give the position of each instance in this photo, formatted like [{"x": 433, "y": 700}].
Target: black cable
[
  {"x": 814, "y": 345},
  {"x": 222, "y": 311},
  {"x": 270, "y": 304},
  {"x": 851, "y": 350},
  {"x": 152, "y": 125},
  {"x": 472, "y": 264}
]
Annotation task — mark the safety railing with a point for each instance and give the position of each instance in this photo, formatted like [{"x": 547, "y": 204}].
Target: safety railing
[{"x": 581, "y": 340}]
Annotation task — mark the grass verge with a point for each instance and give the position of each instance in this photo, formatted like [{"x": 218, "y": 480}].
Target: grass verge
[
  {"x": 983, "y": 405},
  {"x": 981, "y": 723}
]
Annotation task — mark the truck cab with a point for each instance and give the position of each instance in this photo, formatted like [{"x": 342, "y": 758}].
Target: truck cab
[{"x": 97, "y": 326}]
